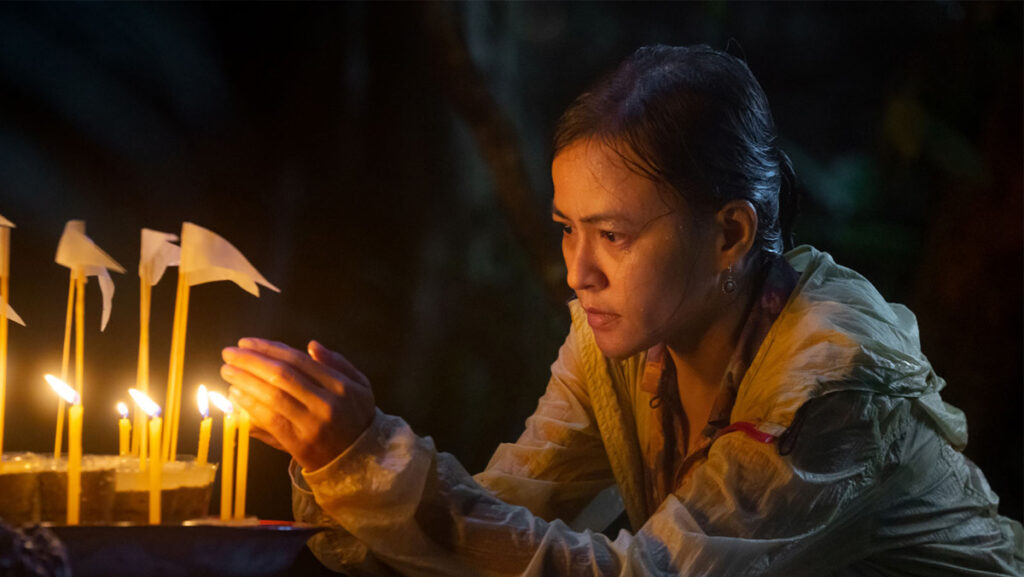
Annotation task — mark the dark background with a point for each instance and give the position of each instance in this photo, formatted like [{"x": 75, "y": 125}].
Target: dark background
[{"x": 393, "y": 190}]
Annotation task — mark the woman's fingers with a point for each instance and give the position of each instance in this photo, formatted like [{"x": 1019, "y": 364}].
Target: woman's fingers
[
  {"x": 266, "y": 421},
  {"x": 282, "y": 401},
  {"x": 336, "y": 361},
  {"x": 281, "y": 374},
  {"x": 313, "y": 405},
  {"x": 267, "y": 438},
  {"x": 326, "y": 376},
  {"x": 312, "y": 446}
]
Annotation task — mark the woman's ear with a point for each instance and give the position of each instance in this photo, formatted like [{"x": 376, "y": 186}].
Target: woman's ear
[{"x": 737, "y": 226}]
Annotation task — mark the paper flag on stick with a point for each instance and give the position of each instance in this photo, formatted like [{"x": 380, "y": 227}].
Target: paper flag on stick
[
  {"x": 206, "y": 257},
  {"x": 5, "y": 313},
  {"x": 13, "y": 315},
  {"x": 157, "y": 254},
  {"x": 77, "y": 251}
]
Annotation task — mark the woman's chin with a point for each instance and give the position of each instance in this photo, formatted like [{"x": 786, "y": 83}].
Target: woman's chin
[{"x": 618, "y": 348}]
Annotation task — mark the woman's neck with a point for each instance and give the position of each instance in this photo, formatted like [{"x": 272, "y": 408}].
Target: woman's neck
[{"x": 701, "y": 360}]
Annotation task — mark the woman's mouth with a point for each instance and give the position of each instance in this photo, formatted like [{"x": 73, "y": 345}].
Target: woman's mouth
[{"x": 599, "y": 319}]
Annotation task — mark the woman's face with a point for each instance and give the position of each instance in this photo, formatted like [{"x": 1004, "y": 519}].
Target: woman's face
[{"x": 642, "y": 268}]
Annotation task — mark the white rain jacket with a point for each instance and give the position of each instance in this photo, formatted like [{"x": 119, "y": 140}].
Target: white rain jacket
[{"x": 871, "y": 482}]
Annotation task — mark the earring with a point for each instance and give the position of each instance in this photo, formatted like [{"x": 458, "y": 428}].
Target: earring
[{"x": 729, "y": 283}]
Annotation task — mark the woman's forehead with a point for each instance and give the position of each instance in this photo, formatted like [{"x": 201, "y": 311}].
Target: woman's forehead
[{"x": 592, "y": 179}]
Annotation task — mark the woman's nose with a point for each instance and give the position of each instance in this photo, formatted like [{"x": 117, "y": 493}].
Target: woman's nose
[{"x": 584, "y": 272}]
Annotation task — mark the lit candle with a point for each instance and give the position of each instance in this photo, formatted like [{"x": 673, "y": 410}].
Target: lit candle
[
  {"x": 74, "y": 461},
  {"x": 242, "y": 471},
  {"x": 156, "y": 468},
  {"x": 204, "y": 426},
  {"x": 227, "y": 460},
  {"x": 155, "y": 459},
  {"x": 5, "y": 273},
  {"x": 74, "y": 445},
  {"x": 124, "y": 427},
  {"x": 143, "y": 442}
]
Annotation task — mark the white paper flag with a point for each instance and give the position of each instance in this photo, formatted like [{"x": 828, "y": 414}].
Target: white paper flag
[
  {"x": 13, "y": 315},
  {"x": 78, "y": 252},
  {"x": 157, "y": 254},
  {"x": 206, "y": 257}
]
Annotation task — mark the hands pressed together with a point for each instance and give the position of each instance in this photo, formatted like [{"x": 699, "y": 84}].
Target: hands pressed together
[{"x": 313, "y": 405}]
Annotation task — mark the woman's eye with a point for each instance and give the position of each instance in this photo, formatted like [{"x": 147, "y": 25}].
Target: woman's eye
[
  {"x": 609, "y": 235},
  {"x": 566, "y": 229}
]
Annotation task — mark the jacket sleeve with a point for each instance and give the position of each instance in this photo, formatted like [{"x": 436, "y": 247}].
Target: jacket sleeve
[
  {"x": 558, "y": 465},
  {"x": 555, "y": 469},
  {"x": 335, "y": 547},
  {"x": 746, "y": 510}
]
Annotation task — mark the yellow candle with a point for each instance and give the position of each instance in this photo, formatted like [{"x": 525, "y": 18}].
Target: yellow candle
[
  {"x": 175, "y": 367},
  {"x": 80, "y": 334},
  {"x": 142, "y": 373},
  {"x": 124, "y": 427},
  {"x": 65, "y": 359},
  {"x": 227, "y": 459},
  {"x": 143, "y": 453},
  {"x": 74, "y": 462},
  {"x": 156, "y": 425},
  {"x": 5, "y": 272},
  {"x": 204, "y": 426},
  {"x": 227, "y": 466},
  {"x": 68, "y": 394},
  {"x": 242, "y": 472},
  {"x": 155, "y": 470},
  {"x": 75, "y": 436},
  {"x": 204, "y": 440}
]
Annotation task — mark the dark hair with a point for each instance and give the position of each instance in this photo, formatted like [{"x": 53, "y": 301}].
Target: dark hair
[{"x": 696, "y": 119}]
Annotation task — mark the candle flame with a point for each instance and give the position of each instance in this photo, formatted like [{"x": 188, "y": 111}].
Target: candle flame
[
  {"x": 145, "y": 403},
  {"x": 63, "y": 389},
  {"x": 221, "y": 402},
  {"x": 202, "y": 399},
  {"x": 123, "y": 409}
]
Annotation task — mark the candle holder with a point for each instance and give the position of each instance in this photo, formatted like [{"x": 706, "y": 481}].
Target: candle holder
[
  {"x": 97, "y": 490},
  {"x": 19, "y": 488},
  {"x": 33, "y": 489},
  {"x": 185, "y": 492}
]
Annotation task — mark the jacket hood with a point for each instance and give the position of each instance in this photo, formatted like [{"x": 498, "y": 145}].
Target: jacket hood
[{"x": 837, "y": 333}]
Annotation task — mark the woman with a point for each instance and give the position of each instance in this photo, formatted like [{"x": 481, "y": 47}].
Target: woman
[{"x": 753, "y": 414}]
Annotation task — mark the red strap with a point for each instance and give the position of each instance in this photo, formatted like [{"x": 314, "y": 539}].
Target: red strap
[{"x": 750, "y": 430}]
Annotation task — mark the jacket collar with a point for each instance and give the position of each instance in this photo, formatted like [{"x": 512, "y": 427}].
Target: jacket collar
[
  {"x": 835, "y": 333},
  {"x": 776, "y": 285}
]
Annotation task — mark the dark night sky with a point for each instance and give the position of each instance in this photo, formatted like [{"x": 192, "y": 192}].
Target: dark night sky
[{"x": 322, "y": 140}]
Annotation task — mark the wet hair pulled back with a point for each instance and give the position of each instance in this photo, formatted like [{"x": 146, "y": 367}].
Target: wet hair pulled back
[{"x": 697, "y": 120}]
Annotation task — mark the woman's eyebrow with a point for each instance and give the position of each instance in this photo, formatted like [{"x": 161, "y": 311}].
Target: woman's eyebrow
[{"x": 601, "y": 217}]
